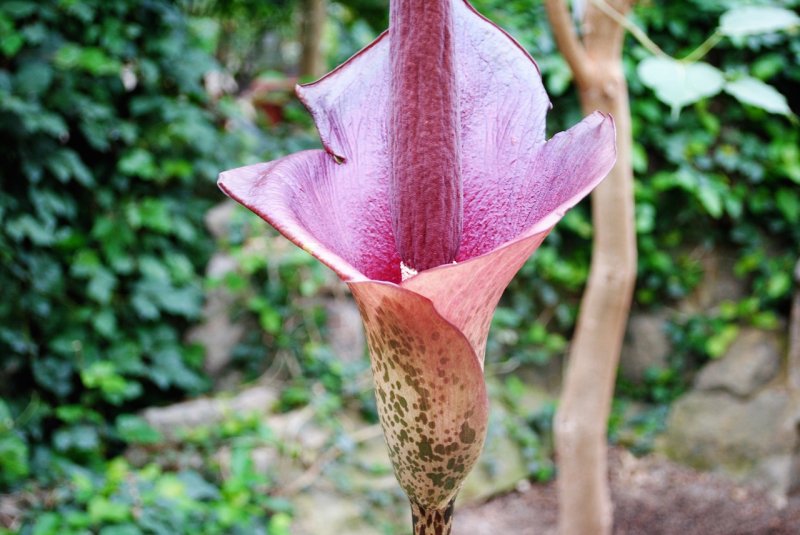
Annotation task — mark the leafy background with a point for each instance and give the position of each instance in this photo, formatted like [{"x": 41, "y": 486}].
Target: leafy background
[{"x": 111, "y": 145}]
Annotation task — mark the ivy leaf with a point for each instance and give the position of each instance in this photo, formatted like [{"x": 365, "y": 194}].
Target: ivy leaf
[
  {"x": 710, "y": 198},
  {"x": 754, "y": 92},
  {"x": 90, "y": 59},
  {"x": 750, "y": 20},
  {"x": 138, "y": 162},
  {"x": 788, "y": 202},
  {"x": 33, "y": 78},
  {"x": 135, "y": 430},
  {"x": 12, "y": 41},
  {"x": 679, "y": 84},
  {"x": 101, "y": 286}
]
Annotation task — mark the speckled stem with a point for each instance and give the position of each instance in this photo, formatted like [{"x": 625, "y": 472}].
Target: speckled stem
[{"x": 432, "y": 521}]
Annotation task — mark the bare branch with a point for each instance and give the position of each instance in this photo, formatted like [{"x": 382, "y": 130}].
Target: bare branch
[
  {"x": 634, "y": 30},
  {"x": 567, "y": 39}
]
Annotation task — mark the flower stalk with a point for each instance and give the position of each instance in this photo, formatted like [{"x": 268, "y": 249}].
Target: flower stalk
[{"x": 432, "y": 521}]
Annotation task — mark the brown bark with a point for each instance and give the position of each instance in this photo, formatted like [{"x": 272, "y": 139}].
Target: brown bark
[
  {"x": 794, "y": 336},
  {"x": 793, "y": 368},
  {"x": 312, "y": 26},
  {"x": 582, "y": 417}
]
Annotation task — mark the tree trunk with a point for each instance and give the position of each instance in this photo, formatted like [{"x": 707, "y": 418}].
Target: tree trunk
[
  {"x": 793, "y": 367},
  {"x": 582, "y": 417},
  {"x": 312, "y": 26},
  {"x": 794, "y": 335}
]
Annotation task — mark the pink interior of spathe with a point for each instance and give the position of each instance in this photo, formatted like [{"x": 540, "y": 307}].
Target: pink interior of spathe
[{"x": 513, "y": 180}]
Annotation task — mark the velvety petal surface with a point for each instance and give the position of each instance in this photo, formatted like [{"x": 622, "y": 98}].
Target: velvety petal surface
[
  {"x": 513, "y": 180},
  {"x": 466, "y": 294},
  {"x": 567, "y": 168},
  {"x": 529, "y": 194},
  {"x": 430, "y": 391},
  {"x": 311, "y": 200},
  {"x": 502, "y": 112}
]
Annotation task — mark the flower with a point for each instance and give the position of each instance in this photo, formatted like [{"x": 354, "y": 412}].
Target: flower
[{"x": 427, "y": 331}]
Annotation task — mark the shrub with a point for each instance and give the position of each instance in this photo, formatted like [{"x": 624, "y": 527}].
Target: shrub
[{"x": 109, "y": 152}]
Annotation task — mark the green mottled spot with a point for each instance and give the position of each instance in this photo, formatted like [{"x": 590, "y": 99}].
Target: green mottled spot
[
  {"x": 435, "y": 478},
  {"x": 425, "y": 450}
]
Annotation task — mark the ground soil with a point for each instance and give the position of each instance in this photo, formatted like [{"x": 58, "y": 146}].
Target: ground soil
[{"x": 651, "y": 497}]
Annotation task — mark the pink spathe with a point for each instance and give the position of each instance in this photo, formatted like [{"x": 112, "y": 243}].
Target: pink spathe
[{"x": 427, "y": 333}]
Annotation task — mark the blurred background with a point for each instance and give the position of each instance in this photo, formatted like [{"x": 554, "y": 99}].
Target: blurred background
[{"x": 169, "y": 365}]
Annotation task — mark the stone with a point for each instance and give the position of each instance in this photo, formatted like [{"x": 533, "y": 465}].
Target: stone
[
  {"x": 302, "y": 443},
  {"x": 175, "y": 419},
  {"x": 325, "y": 504},
  {"x": 646, "y": 346},
  {"x": 502, "y": 465},
  {"x": 715, "y": 430},
  {"x": 216, "y": 332},
  {"x": 319, "y": 512},
  {"x": 752, "y": 360},
  {"x": 719, "y": 282},
  {"x": 775, "y": 473},
  {"x": 345, "y": 332},
  {"x": 218, "y": 219},
  {"x": 793, "y": 359}
]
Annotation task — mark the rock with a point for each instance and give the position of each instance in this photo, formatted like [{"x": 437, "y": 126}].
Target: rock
[
  {"x": 500, "y": 467},
  {"x": 345, "y": 332},
  {"x": 218, "y": 219},
  {"x": 751, "y": 361},
  {"x": 646, "y": 346},
  {"x": 775, "y": 472},
  {"x": 719, "y": 283},
  {"x": 502, "y": 464},
  {"x": 793, "y": 360},
  {"x": 716, "y": 430},
  {"x": 216, "y": 332},
  {"x": 175, "y": 419},
  {"x": 12, "y": 511},
  {"x": 329, "y": 513},
  {"x": 301, "y": 443},
  {"x": 325, "y": 504}
]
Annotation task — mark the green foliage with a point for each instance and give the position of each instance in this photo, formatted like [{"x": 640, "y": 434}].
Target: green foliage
[
  {"x": 720, "y": 176},
  {"x": 125, "y": 500},
  {"x": 686, "y": 81},
  {"x": 714, "y": 176},
  {"x": 677, "y": 83},
  {"x": 742, "y": 21},
  {"x": 110, "y": 151},
  {"x": 283, "y": 290}
]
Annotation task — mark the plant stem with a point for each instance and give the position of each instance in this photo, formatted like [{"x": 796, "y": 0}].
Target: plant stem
[
  {"x": 432, "y": 521},
  {"x": 695, "y": 55},
  {"x": 699, "y": 53},
  {"x": 634, "y": 30}
]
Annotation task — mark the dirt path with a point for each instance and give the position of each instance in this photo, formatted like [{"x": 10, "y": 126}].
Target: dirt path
[{"x": 651, "y": 497}]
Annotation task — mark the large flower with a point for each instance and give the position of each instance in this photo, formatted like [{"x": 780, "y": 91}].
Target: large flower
[{"x": 427, "y": 331}]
